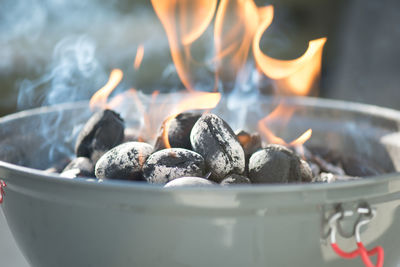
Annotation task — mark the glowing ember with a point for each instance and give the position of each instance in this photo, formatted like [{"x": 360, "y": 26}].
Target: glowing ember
[
  {"x": 139, "y": 57},
  {"x": 99, "y": 99}
]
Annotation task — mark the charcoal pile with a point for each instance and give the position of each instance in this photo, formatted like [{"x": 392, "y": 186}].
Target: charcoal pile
[{"x": 202, "y": 150}]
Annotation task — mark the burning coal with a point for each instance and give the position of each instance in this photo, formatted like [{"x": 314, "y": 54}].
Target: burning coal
[{"x": 133, "y": 136}]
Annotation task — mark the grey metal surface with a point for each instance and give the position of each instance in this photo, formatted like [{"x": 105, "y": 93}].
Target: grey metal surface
[
  {"x": 63, "y": 222},
  {"x": 10, "y": 255}
]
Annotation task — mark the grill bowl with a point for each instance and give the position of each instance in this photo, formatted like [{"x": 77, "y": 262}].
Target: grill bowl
[{"x": 62, "y": 222}]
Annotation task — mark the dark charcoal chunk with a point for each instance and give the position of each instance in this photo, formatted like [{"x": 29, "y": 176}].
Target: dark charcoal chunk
[
  {"x": 325, "y": 177},
  {"x": 124, "y": 162},
  {"x": 82, "y": 167},
  {"x": 326, "y": 166},
  {"x": 171, "y": 163},
  {"x": 233, "y": 179},
  {"x": 103, "y": 131},
  {"x": 189, "y": 182},
  {"x": 325, "y": 160},
  {"x": 212, "y": 138},
  {"x": 278, "y": 164},
  {"x": 178, "y": 131}
]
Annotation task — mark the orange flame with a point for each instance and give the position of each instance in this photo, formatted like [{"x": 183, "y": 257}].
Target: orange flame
[
  {"x": 192, "y": 17},
  {"x": 197, "y": 100},
  {"x": 99, "y": 99},
  {"x": 150, "y": 112},
  {"x": 302, "y": 138},
  {"x": 239, "y": 26},
  {"x": 285, "y": 114},
  {"x": 153, "y": 109},
  {"x": 295, "y": 76},
  {"x": 139, "y": 57},
  {"x": 235, "y": 24}
]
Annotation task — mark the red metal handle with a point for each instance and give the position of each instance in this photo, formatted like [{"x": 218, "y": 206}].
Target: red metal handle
[
  {"x": 364, "y": 254},
  {"x": 2, "y": 193}
]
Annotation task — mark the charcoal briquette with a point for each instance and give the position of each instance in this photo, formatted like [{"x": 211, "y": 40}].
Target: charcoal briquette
[
  {"x": 233, "y": 179},
  {"x": 178, "y": 131},
  {"x": 278, "y": 164},
  {"x": 304, "y": 170},
  {"x": 124, "y": 162},
  {"x": 327, "y": 177},
  {"x": 171, "y": 163},
  {"x": 103, "y": 131},
  {"x": 83, "y": 167},
  {"x": 72, "y": 173},
  {"x": 328, "y": 167},
  {"x": 189, "y": 182},
  {"x": 212, "y": 138},
  {"x": 59, "y": 166},
  {"x": 51, "y": 170}
]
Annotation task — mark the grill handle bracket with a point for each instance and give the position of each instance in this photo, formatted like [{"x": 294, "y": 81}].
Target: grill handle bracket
[{"x": 364, "y": 214}]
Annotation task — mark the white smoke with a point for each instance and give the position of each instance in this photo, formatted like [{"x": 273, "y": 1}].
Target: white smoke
[{"x": 72, "y": 75}]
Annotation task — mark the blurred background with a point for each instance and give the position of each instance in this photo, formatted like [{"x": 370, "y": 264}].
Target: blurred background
[
  {"x": 60, "y": 51},
  {"x": 54, "y": 51}
]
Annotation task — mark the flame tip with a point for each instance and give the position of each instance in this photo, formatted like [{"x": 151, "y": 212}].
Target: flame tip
[{"x": 99, "y": 99}]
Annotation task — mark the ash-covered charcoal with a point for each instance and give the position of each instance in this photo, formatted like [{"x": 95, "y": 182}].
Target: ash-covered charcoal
[
  {"x": 233, "y": 179},
  {"x": 322, "y": 160},
  {"x": 171, "y": 163},
  {"x": 178, "y": 131},
  {"x": 72, "y": 173},
  {"x": 83, "y": 167},
  {"x": 326, "y": 166},
  {"x": 325, "y": 177},
  {"x": 315, "y": 169},
  {"x": 124, "y": 162},
  {"x": 103, "y": 131},
  {"x": 189, "y": 182},
  {"x": 51, "y": 170},
  {"x": 305, "y": 171},
  {"x": 59, "y": 166},
  {"x": 212, "y": 138},
  {"x": 278, "y": 164}
]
